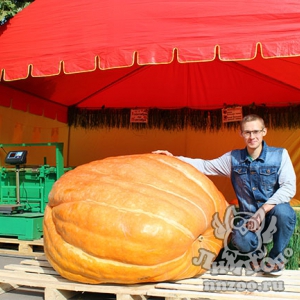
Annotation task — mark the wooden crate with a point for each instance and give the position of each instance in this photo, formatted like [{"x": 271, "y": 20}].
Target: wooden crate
[{"x": 38, "y": 273}]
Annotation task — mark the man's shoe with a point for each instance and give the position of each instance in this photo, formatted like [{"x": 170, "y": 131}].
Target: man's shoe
[
  {"x": 273, "y": 270},
  {"x": 255, "y": 265}
]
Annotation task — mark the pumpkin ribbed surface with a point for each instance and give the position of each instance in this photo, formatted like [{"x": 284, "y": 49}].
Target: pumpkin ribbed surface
[{"x": 131, "y": 219}]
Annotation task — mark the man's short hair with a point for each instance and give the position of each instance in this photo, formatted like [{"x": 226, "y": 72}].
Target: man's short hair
[{"x": 250, "y": 118}]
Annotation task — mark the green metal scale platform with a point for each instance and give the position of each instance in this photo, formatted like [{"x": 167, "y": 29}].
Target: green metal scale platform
[{"x": 24, "y": 191}]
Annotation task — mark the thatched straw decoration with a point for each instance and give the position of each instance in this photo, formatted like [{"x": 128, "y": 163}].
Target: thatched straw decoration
[{"x": 180, "y": 119}]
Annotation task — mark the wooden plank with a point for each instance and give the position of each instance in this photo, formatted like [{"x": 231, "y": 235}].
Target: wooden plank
[
  {"x": 223, "y": 289},
  {"x": 23, "y": 278},
  {"x": 290, "y": 283},
  {"x": 34, "y": 269},
  {"x": 202, "y": 285},
  {"x": 197, "y": 295},
  {"x": 38, "y": 273},
  {"x": 18, "y": 253},
  {"x": 292, "y": 278},
  {"x": 42, "y": 280},
  {"x": 220, "y": 296},
  {"x": 36, "y": 262},
  {"x": 39, "y": 242}
]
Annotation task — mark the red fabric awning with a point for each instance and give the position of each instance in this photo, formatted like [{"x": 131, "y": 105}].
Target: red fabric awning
[{"x": 166, "y": 54}]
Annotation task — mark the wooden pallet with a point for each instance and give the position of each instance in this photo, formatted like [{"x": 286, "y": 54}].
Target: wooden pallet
[
  {"x": 15, "y": 246},
  {"x": 38, "y": 273}
]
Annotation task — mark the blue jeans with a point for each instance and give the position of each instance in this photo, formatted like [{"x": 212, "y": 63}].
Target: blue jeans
[{"x": 285, "y": 220}]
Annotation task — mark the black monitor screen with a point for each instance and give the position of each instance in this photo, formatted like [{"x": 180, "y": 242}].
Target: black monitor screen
[{"x": 16, "y": 157}]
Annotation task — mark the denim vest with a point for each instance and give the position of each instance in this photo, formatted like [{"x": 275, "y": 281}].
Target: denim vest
[{"x": 254, "y": 182}]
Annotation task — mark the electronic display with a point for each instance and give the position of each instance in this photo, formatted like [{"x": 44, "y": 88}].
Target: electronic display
[{"x": 16, "y": 157}]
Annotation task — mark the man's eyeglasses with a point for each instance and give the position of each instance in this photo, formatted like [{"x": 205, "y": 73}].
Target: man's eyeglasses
[{"x": 254, "y": 133}]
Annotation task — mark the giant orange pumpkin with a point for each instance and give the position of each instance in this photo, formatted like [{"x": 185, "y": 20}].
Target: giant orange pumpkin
[{"x": 131, "y": 219}]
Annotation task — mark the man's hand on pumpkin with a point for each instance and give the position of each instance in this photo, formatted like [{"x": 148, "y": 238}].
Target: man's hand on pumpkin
[{"x": 165, "y": 152}]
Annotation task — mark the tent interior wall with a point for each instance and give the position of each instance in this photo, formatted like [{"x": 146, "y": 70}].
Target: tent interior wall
[
  {"x": 84, "y": 145},
  {"x": 62, "y": 63}
]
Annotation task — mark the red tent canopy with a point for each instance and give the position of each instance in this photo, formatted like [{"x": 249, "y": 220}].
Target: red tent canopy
[{"x": 150, "y": 54}]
